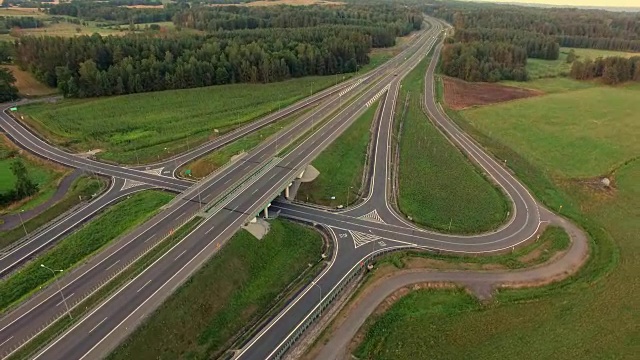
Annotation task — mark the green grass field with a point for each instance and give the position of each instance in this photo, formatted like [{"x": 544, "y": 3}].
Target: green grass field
[
  {"x": 134, "y": 128},
  {"x": 438, "y": 187},
  {"x": 574, "y": 134},
  {"x": 115, "y": 221},
  {"x": 593, "y": 315},
  {"x": 230, "y": 290},
  {"x": 42, "y": 173},
  {"x": 538, "y": 68},
  {"x": 341, "y": 165}
]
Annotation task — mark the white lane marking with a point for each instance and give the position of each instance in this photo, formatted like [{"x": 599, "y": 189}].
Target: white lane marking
[
  {"x": 145, "y": 284},
  {"x": 93, "y": 328},
  {"x": 208, "y": 231},
  {"x": 182, "y": 253},
  {"x": 68, "y": 297},
  {"x": 112, "y": 265},
  {"x": 6, "y": 341},
  {"x": 226, "y": 182}
]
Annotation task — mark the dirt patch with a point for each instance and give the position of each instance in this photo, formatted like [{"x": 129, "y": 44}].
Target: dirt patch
[
  {"x": 27, "y": 85},
  {"x": 460, "y": 94}
]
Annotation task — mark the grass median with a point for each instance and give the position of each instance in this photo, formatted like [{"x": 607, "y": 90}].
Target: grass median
[
  {"x": 341, "y": 165},
  {"x": 233, "y": 288},
  {"x": 114, "y": 222},
  {"x": 438, "y": 187}
]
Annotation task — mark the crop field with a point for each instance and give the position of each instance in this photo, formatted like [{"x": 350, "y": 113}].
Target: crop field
[
  {"x": 429, "y": 163},
  {"x": 83, "y": 188},
  {"x": 575, "y": 134},
  {"x": 539, "y": 68},
  {"x": 115, "y": 221},
  {"x": 235, "y": 286},
  {"x": 341, "y": 165},
  {"x": 150, "y": 126},
  {"x": 591, "y": 315}
]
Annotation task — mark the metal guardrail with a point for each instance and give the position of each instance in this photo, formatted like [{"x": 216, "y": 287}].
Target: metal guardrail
[
  {"x": 223, "y": 199},
  {"x": 196, "y": 187},
  {"x": 329, "y": 299}
]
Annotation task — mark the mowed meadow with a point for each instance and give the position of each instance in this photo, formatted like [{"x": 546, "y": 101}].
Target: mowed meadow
[
  {"x": 574, "y": 134},
  {"x": 142, "y": 128}
]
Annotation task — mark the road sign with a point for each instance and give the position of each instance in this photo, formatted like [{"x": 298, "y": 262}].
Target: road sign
[
  {"x": 187, "y": 172},
  {"x": 14, "y": 109}
]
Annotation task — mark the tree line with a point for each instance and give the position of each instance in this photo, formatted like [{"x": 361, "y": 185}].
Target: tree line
[
  {"x": 484, "y": 61},
  {"x": 113, "y": 11},
  {"x": 611, "y": 70},
  {"x": 570, "y": 27},
  {"x": 536, "y": 45},
  {"x": 8, "y": 90},
  {"x": 23, "y": 22},
  {"x": 398, "y": 20},
  {"x": 87, "y": 66}
]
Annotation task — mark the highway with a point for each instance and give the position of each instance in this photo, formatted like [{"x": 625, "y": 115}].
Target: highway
[
  {"x": 22, "y": 323},
  {"x": 360, "y": 233},
  {"x": 125, "y": 181}
]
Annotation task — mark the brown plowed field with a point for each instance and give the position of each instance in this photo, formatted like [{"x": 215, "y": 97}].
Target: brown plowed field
[{"x": 460, "y": 94}]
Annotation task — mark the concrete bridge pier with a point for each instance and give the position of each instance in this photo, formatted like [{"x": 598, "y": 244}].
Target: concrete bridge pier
[{"x": 266, "y": 211}]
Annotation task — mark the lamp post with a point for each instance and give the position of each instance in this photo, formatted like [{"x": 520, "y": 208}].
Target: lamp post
[
  {"x": 59, "y": 289},
  {"x": 22, "y": 222}
]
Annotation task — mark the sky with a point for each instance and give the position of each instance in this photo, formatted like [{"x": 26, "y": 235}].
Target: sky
[{"x": 621, "y": 3}]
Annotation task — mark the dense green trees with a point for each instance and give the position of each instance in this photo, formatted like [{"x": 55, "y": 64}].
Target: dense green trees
[
  {"x": 484, "y": 61},
  {"x": 612, "y": 70},
  {"x": 245, "y": 45},
  {"x": 113, "y": 11},
  {"x": 8, "y": 91},
  {"x": 22, "y": 22},
  {"x": 396, "y": 20},
  {"x": 490, "y": 40},
  {"x": 95, "y": 66},
  {"x": 570, "y": 27},
  {"x": 24, "y": 186}
]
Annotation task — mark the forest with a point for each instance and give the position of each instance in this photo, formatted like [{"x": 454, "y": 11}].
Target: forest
[
  {"x": 490, "y": 40},
  {"x": 612, "y": 70},
  {"x": 23, "y": 22},
  {"x": 596, "y": 29},
  {"x": 114, "y": 11},
  {"x": 8, "y": 90},
  {"x": 88, "y": 66}
]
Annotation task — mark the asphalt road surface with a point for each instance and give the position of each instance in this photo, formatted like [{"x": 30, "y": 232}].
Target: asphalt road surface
[
  {"x": 359, "y": 233},
  {"x": 33, "y": 315}
]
